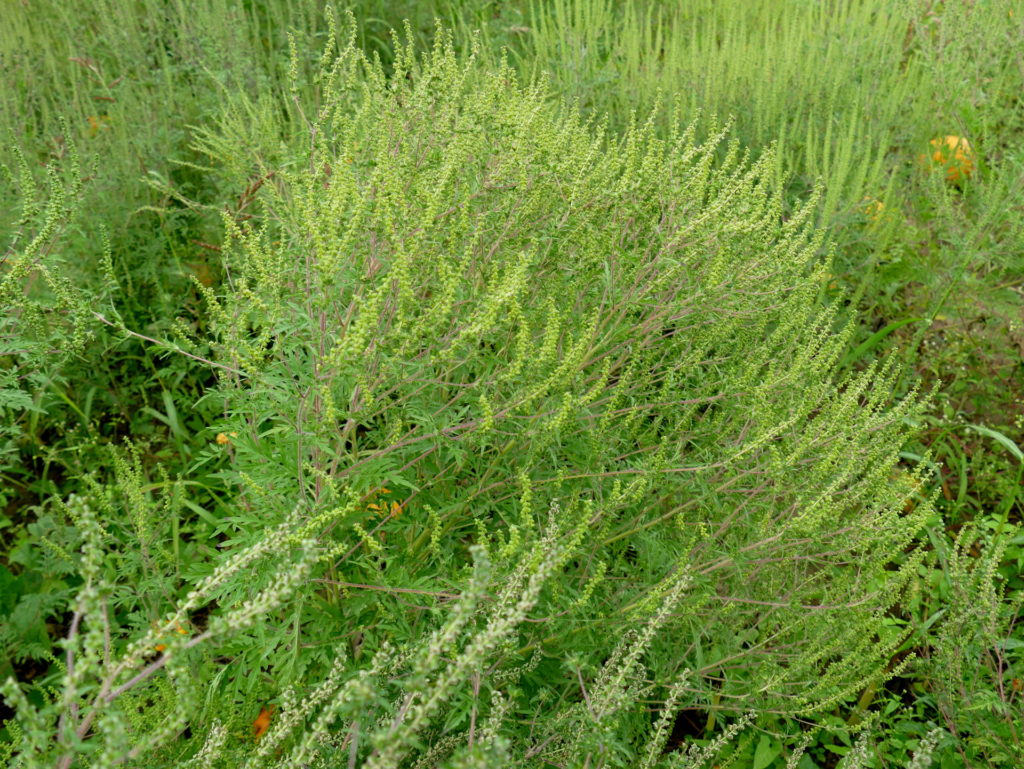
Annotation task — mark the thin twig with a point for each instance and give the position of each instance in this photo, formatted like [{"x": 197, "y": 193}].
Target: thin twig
[
  {"x": 167, "y": 346},
  {"x": 386, "y": 589}
]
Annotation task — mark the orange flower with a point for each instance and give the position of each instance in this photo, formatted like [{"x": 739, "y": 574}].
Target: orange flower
[
  {"x": 224, "y": 438},
  {"x": 953, "y": 153},
  {"x": 262, "y": 722},
  {"x": 97, "y": 123},
  {"x": 177, "y": 629},
  {"x": 383, "y": 508}
]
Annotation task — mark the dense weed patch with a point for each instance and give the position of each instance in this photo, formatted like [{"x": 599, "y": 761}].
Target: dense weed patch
[{"x": 369, "y": 404}]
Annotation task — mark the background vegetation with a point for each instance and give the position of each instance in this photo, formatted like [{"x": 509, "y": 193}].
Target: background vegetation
[{"x": 174, "y": 382}]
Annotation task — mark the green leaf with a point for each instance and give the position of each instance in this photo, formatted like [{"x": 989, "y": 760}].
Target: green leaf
[
  {"x": 767, "y": 750},
  {"x": 9, "y": 590},
  {"x": 14, "y": 400},
  {"x": 1010, "y": 643},
  {"x": 874, "y": 340},
  {"x": 1010, "y": 446},
  {"x": 202, "y": 513}
]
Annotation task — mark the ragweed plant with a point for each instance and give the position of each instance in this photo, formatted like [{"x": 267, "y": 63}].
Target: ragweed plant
[
  {"x": 45, "y": 315},
  {"x": 974, "y": 666},
  {"x": 46, "y": 318},
  {"x": 594, "y": 374}
]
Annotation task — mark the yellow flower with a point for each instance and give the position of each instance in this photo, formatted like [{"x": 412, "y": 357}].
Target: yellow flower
[
  {"x": 873, "y": 209},
  {"x": 224, "y": 438}
]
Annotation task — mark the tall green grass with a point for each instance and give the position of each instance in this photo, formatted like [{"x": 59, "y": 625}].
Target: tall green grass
[{"x": 850, "y": 92}]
